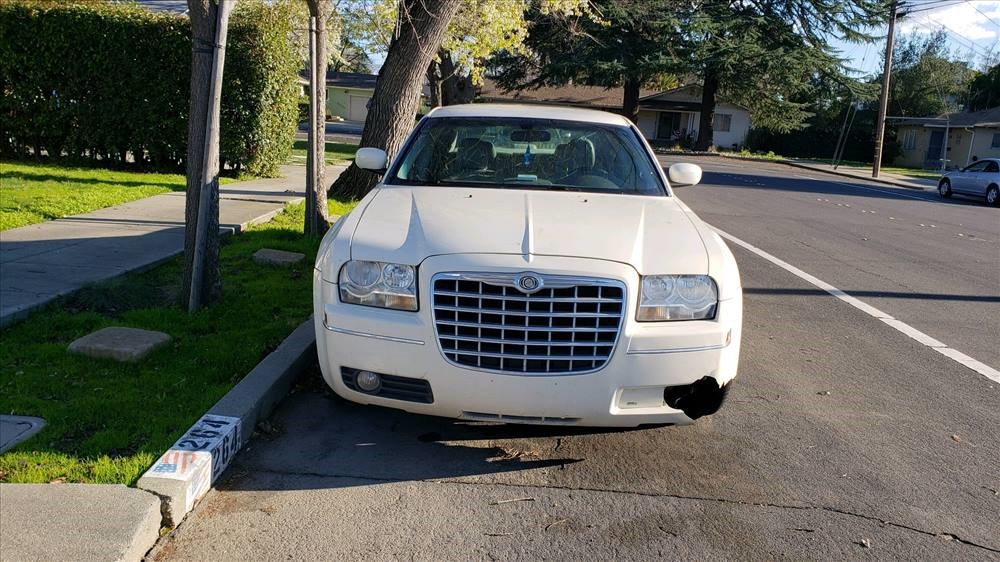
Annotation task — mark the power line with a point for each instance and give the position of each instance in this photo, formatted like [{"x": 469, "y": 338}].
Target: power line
[{"x": 976, "y": 8}]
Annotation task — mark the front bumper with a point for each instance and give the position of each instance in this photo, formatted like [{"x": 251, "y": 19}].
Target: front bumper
[{"x": 627, "y": 392}]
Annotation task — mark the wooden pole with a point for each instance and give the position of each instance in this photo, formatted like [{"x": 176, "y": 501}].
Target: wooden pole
[
  {"x": 311, "y": 179},
  {"x": 209, "y": 181},
  {"x": 883, "y": 103}
]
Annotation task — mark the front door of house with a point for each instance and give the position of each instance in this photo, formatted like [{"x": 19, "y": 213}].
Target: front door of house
[
  {"x": 933, "y": 156},
  {"x": 670, "y": 125}
]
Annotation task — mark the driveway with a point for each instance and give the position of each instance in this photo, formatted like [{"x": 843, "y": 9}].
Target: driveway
[{"x": 843, "y": 437}]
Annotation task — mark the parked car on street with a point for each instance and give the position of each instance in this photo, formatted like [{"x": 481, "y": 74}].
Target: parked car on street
[
  {"x": 979, "y": 179},
  {"x": 528, "y": 264}
]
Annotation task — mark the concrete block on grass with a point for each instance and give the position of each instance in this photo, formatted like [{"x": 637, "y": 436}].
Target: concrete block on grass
[
  {"x": 268, "y": 256},
  {"x": 120, "y": 344},
  {"x": 77, "y": 522}
]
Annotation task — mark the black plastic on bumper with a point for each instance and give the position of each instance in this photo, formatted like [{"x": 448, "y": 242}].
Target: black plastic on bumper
[
  {"x": 703, "y": 397},
  {"x": 397, "y": 388}
]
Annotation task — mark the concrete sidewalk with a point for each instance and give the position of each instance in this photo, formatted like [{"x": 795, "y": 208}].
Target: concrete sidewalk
[{"x": 43, "y": 261}]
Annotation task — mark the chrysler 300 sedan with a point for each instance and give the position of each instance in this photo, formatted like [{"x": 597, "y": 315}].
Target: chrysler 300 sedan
[{"x": 528, "y": 264}]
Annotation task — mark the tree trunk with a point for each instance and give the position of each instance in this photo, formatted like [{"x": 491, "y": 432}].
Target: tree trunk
[
  {"x": 394, "y": 105},
  {"x": 630, "y": 101},
  {"x": 317, "y": 219},
  {"x": 434, "y": 83},
  {"x": 708, "y": 91},
  {"x": 456, "y": 87},
  {"x": 203, "y": 14}
]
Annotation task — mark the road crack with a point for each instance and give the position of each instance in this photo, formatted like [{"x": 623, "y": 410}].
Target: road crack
[{"x": 729, "y": 501}]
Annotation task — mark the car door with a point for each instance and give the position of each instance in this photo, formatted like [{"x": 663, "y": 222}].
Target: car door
[
  {"x": 989, "y": 176},
  {"x": 966, "y": 180}
]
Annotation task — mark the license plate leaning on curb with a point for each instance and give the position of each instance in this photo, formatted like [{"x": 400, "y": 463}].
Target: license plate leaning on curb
[{"x": 203, "y": 452}]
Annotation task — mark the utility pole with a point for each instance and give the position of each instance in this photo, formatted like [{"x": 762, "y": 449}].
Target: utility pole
[{"x": 883, "y": 103}]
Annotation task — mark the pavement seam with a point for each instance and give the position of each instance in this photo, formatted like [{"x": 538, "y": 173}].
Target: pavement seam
[{"x": 807, "y": 507}]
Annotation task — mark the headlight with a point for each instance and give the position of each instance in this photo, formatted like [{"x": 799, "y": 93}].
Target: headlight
[
  {"x": 677, "y": 297},
  {"x": 372, "y": 283}
]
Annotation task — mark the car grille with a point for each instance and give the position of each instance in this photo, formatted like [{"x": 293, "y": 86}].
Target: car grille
[{"x": 485, "y": 321}]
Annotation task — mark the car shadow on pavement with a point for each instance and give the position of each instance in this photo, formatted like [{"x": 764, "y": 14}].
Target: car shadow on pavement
[{"x": 337, "y": 443}]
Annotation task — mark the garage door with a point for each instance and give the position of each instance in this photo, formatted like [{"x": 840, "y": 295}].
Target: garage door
[{"x": 358, "y": 108}]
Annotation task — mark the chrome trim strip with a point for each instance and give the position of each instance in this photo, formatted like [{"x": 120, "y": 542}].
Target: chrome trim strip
[
  {"x": 677, "y": 349},
  {"x": 372, "y": 336}
]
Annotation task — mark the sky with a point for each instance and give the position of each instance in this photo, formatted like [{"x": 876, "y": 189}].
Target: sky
[{"x": 973, "y": 28}]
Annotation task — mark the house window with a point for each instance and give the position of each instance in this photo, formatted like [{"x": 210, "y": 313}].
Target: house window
[
  {"x": 996, "y": 141},
  {"x": 909, "y": 139},
  {"x": 722, "y": 122}
]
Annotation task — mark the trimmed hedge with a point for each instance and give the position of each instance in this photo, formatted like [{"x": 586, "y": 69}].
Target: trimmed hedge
[{"x": 111, "y": 82}]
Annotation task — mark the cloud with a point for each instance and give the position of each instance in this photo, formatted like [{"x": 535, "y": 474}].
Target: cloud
[{"x": 961, "y": 19}]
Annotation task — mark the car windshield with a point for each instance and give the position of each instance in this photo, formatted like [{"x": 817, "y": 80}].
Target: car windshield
[{"x": 527, "y": 154}]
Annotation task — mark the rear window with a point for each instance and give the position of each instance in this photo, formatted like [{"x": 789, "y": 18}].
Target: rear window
[{"x": 527, "y": 154}]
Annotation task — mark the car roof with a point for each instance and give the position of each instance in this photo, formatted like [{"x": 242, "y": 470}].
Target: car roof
[{"x": 529, "y": 111}]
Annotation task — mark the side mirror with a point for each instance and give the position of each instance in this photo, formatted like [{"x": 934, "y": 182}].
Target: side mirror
[
  {"x": 373, "y": 159},
  {"x": 684, "y": 174}
]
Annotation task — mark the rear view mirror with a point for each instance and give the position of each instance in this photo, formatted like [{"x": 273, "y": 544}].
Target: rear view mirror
[
  {"x": 373, "y": 159},
  {"x": 530, "y": 135},
  {"x": 684, "y": 174}
]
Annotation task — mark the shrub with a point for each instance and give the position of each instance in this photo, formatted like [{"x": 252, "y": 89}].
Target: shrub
[{"x": 110, "y": 82}]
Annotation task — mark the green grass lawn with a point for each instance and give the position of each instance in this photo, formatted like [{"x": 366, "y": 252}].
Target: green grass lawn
[
  {"x": 108, "y": 421},
  {"x": 34, "y": 192},
  {"x": 912, "y": 172},
  {"x": 336, "y": 152}
]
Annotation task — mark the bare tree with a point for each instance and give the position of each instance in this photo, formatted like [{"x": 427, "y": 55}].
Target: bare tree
[
  {"x": 201, "y": 242},
  {"x": 317, "y": 213},
  {"x": 420, "y": 28}
]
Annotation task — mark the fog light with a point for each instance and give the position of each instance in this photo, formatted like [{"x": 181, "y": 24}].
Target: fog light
[{"x": 368, "y": 381}]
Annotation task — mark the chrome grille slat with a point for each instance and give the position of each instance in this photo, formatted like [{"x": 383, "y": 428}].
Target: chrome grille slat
[
  {"x": 526, "y": 299},
  {"x": 502, "y": 326},
  {"x": 481, "y": 311},
  {"x": 484, "y": 321}
]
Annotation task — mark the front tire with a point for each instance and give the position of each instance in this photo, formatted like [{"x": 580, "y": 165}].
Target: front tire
[
  {"x": 993, "y": 196},
  {"x": 944, "y": 188}
]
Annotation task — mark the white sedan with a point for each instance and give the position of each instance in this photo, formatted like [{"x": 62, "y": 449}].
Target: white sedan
[
  {"x": 528, "y": 264},
  {"x": 979, "y": 179}
]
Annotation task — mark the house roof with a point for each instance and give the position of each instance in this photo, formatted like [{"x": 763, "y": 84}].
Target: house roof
[
  {"x": 593, "y": 96},
  {"x": 984, "y": 118},
  {"x": 570, "y": 94},
  {"x": 344, "y": 79}
]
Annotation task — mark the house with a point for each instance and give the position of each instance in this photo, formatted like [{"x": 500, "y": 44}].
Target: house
[
  {"x": 347, "y": 93},
  {"x": 665, "y": 117},
  {"x": 956, "y": 138}
]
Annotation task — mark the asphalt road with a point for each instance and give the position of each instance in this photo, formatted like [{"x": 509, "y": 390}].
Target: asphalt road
[{"x": 843, "y": 438}]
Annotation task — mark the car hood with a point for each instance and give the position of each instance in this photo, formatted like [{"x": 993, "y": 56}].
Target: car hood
[{"x": 654, "y": 234}]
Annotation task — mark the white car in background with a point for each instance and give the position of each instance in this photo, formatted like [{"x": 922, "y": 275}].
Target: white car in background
[
  {"x": 528, "y": 264},
  {"x": 979, "y": 179}
]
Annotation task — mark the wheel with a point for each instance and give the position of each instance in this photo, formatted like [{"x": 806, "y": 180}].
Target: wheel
[
  {"x": 993, "y": 196},
  {"x": 944, "y": 188}
]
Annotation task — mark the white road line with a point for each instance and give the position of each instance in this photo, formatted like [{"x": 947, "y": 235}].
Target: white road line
[{"x": 902, "y": 327}]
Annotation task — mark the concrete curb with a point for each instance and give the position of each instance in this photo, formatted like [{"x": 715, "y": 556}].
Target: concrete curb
[
  {"x": 185, "y": 472},
  {"x": 792, "y": 164}
]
